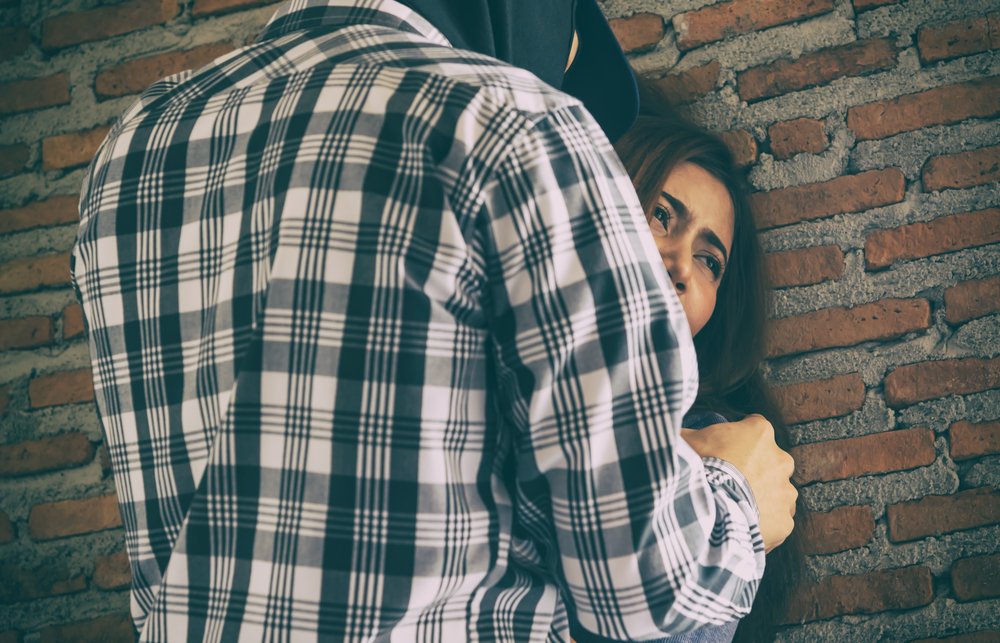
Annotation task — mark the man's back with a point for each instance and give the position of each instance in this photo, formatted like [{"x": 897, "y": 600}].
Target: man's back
[{"x": 313, "y": 275}]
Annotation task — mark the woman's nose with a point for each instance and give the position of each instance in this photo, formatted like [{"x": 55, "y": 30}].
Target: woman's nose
[{"x": 679, "y": 270}]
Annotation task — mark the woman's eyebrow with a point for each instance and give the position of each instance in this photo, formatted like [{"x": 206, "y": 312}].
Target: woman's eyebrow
[{"x": 681, "y": 210}]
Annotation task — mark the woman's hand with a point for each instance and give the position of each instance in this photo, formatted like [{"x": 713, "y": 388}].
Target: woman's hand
[{"x": 749, "y": 446}]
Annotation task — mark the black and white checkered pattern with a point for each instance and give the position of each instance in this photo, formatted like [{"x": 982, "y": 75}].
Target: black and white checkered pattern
[{"x": 382, "y": 349}]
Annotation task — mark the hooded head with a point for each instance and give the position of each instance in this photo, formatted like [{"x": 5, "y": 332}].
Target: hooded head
[{"x": 537, "y": 35}]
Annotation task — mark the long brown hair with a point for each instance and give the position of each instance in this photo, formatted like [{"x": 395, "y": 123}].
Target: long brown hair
[{"x": 730, "y": 346}]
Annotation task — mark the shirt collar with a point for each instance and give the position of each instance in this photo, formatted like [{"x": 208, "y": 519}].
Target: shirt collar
[{"x": 302, "y": 15}]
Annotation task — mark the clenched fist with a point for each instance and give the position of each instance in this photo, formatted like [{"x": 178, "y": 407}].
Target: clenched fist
[{"x": 749, "y": 446}]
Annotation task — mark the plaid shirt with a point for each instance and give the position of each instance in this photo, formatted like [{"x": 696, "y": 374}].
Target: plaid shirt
[{"x": 381, "y": 349}]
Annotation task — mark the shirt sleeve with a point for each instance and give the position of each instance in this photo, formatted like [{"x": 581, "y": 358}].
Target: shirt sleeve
[{"x": 595, "y": 369}]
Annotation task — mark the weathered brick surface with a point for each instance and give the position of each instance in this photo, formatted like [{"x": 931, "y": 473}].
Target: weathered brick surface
[
  {"x": 884, "y": 248},
  {"x": 72, "y": 517},
  {"x": 24, "y": 95},
  {"x": 936, "y": 515},
  {"x": 72, "y": 321},
  {"x": 959, "y": 38},
  {"x": 26, "y": 332},
  {"x": 690, "y": 84},
  {"x": 641, "y": 31},
  {"x": 970, "y": 440},
  {"x": 113, "y": 628},
  {"x": 13, "y": 158},
  {"x": 942, "y": 105},
  {"x": 206, "y": 7},
  {"x": 976, "y": 578},
  {"x": 21, "y": 584},
  {"x": 4, "y": 398},
  {"x": 112, "y": 572},
  {"x": 14, "y": 41},
  {"x": 67, "y": 387},
  {"x": 970, "y": 299},
  {"x": 862, "y": 594},
  {"x": 799, "y": 136},
  {"x": 927, "y": 380},
  {"x": 862, "y": 5},
  {"x": 851, "y": 457},
  {"x": 962, "y": 170},
  {"x": 804, "y": 266},
  {"x": 104, "y": 22},
  {"x": 834, "y": 327},
  {"x": 742, "y": 145},
  {"x": 69, "y": 150},
  {"x": 984, "y": 636},
  {"x": 6, "y": 529},
  {"x": 31, "y": 273},
  {"x": 702, "y": 26},
  {"x": 47, "y": 454},
  {"x": 52, "y": 211},
  {"x": 852, "y": 193},
  {"x": 838, "y": 530},
  {"x": 135, "y": 76},
  {"x": 816, "y": 68},
  {"x": 820, "y": 399}
]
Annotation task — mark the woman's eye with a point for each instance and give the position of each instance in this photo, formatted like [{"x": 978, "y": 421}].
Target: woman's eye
[
  {"x": 660, "y": 222},
  {"x": 714, "y": 265}
]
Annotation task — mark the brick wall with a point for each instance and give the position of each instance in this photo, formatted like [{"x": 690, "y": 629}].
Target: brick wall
[{"x": 870, "y": 134}]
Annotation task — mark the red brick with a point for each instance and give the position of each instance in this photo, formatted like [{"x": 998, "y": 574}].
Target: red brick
[
  {"x": 970, "y": 440},
  {"x": 25, "y": 95},
  {"x": 14, "y": 42},
  {"x": 815, "y": 68},
  {"x": 962, "y": 170},
  {"x": 936, "y": 515},
  {"x": 72, "y": 321},
  {"x": 804, "y": 266},
  {"x": 66, "y": 387},
  {"x": 820, "y": 399},
  {"x": 52, "y": 211},
  {"x": 20, "y": 584},
  {"x": 939, "y": 106},
  {"x": 13, "y": 158},
  {"x": 976, "y": 578},
  {"x": 73, "y": 517},
  {"x": 799, "y": 136},
  {"x": 37, "y": 456},
  {"x": 869, "y": 593},
  {"x": 984, "y": 636},
  {"x": 113, "y": 628},
  {"x": 741, "y": 145},
  {"x": 836, "y": 327},
  {"x": 959, "y": 38},
  {"x": 105, "y": 460},
  {"x": 971, "y": 299},
  {"x": 6, "y": 529},
  {"x": 928, "y": 380},
  {"x": 26, "y": 332},
  {"x": 641, "y": 31},
  {"x": 32, "y": 273},
  {"x": 944, "y": 234},
  {"x": 136, "y": 75},
  {"x": 838, "y": 530},
  {"x": 70, "y": 150},
  {"x": 843, "y": 194},
  {"x": 205, "y": 7},
  {"x": 105, "y": 22},
  {"x": 852, "y": 457},
  {"x": 690, "y": 84},
  {"x": 861, "y": 5},
  {"x": 715, "y": 22},
  {"x": 112, "y": 572}
]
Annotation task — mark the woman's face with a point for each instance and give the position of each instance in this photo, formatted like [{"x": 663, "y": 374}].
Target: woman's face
[{"x": 692, "y": 225}]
